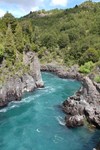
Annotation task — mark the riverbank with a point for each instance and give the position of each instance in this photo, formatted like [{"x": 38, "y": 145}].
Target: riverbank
[
  {"x": 85, "y": 104},
  {"x": 27, "y": 122},
  {"x": 14, "y": 87}
]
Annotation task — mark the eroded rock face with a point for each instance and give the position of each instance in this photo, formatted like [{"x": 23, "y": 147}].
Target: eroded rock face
[
  {"x": 85, "y": 102},
  {"x": 63, "y": 72},
  {"x": 14, "y": 87},
  {"x": 31, "y": 60},
  {"x": 11, "y": 90},
  {"x": 35, "y": 69},
  {"x": 28, "y": 83}
]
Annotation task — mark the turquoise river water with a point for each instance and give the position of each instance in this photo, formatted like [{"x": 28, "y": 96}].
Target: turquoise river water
[{"x": 37, "y": 122}]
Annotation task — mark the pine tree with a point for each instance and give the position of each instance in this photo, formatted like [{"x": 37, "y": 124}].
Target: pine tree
[
  {"x": 19, "y": 41},
  {"x": 10, "y": 48},
  {"x": 7, "y": 19}
]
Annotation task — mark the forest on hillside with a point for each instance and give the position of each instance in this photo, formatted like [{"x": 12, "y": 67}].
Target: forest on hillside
[{"x": 69, "y": 37}]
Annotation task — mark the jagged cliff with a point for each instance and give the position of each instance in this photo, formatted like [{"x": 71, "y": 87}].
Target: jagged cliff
[{"x": 13, "y": 88}]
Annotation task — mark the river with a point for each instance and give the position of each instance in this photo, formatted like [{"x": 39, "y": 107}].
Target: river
[{"x": 37, "y": 122}]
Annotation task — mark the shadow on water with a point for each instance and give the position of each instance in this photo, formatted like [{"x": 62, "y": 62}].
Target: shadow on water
[{"x": 93, "y": 141}]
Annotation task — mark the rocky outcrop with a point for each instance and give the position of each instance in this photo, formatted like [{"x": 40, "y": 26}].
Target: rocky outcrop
[
  {"x": 14, "y": 87},
  {"x": 35, "y": 70},
  {"x": 85, "y": 103},
  {"x": 62, "y": 71},
  {"x": 28, "y": 83},
  {"x": 31, "y": 60},
  {"x": 97, "y": 85},
  {"x": 11, "y": 90}
]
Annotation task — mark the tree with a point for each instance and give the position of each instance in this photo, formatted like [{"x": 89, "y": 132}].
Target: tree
[
  {"x": 10, "y": 48},
  {"x": 8, "y": 18},
  {"x": 36, "y": 35},
  {"x": 73, "y": 34},
  {"x": 19, "y": 41},
  {"x": 63, "y": 40},
  {"x": 1, "y": 52},
  {"x": 27, "y": 27},
  {"x": 49, "y": 40},
  {"x": 90, "y": 55},
  {"x": 27, "y": 31}
]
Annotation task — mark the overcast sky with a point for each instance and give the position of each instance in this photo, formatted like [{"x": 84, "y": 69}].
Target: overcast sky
[{"x": 22, "y": 7}]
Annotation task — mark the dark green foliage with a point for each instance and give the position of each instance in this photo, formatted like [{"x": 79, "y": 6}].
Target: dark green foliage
[
  {"x": 63, "y": 40},
  {"x": 1, "y": 52},
  {"x": 19, "y": 41},
  {"x": 9, "y": 19},
  {"x": 9, "y": 46},
  {"x": 49, "y": 40},
  {"x": 90, "y": 55}
]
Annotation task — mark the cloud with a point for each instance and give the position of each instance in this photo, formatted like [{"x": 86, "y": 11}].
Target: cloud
[
  {"x": 21, "y": 7},
  {"x": 27, "y": 4},
  {"x": 2, "y": 12},
  {"x": 62, "y": 3}
]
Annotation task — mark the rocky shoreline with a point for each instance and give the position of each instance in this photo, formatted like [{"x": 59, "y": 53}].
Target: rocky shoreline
[
  {"x": 85, "y": 104},
  {"x": 14, "y": 87}
]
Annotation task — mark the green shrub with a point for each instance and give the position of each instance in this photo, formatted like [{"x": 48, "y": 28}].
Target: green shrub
[
  {"x": 87, "y": 67},
  {"x": 97, "y": 78}
]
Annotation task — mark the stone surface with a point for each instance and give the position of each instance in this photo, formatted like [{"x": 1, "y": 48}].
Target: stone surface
[
  {"x": 85, "y": 102},
  {"x": 74, "y": 121},
  {"x": 28, "y": 83},
  {"x": 35, "y": 69},
  {"x": 14, "y": 87}
]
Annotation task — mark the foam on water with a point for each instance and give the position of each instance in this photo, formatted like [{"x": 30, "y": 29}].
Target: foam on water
[
  {"x": 4, "y": 110},
  {"x": 38, "y": 130},
  {"x": 61, "y": 120}
]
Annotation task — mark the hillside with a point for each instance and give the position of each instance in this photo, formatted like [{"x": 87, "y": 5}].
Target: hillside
[{"x": 70, "y": 36}]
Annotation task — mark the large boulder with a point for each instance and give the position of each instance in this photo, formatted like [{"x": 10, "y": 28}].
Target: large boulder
[
  {"x": 74, "y": 121},
  {"x": 72, "y": 107}
]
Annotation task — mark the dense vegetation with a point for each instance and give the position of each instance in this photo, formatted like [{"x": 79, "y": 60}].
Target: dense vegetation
[{"x": 70, "y": 36}]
